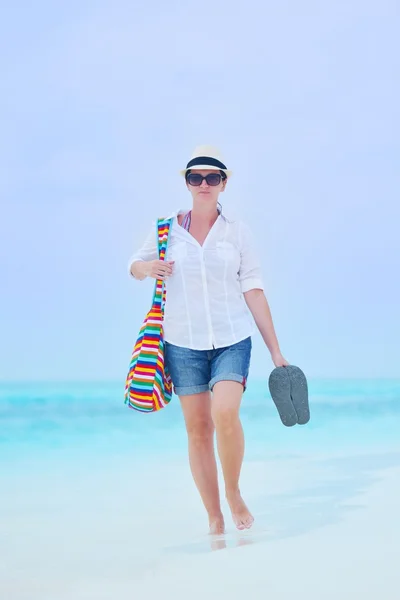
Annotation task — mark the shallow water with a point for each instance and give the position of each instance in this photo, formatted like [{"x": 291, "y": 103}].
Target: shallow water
[{"x": 93, "y": 492}]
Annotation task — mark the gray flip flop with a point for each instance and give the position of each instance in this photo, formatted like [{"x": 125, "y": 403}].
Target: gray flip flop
[{"x": 289, "y": 390}]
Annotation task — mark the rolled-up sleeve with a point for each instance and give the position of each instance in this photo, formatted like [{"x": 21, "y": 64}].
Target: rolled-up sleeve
[
  {"x": 148, "y": 250},
  {"x": 250, "y": 275}
]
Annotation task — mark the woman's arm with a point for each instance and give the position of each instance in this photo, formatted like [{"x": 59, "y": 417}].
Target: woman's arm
[
  {"x": 251, "y": 284},
  {"x": 259, "y": 308},
  {"x": 159, "y": 269},
  {"x": 145, "y": 263},
  {"x": 147, "y": 252}
]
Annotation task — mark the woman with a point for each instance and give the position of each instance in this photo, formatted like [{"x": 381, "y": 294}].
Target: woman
[{"x": 213, "y": 277}]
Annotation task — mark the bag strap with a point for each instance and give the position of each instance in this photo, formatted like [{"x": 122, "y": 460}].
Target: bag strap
[{"x": 163, "y": 232}]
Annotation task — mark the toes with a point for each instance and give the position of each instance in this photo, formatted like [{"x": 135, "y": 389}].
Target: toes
[
  {"x": 240, "y": 523},
  {"x": 244, "y": 522}
]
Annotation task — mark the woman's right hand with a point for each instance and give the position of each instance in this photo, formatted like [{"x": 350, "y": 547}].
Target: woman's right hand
[{"x": 158, "y": 269}]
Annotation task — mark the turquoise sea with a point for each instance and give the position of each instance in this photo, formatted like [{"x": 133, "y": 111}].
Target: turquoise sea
[{"x": 39, "y": 421}]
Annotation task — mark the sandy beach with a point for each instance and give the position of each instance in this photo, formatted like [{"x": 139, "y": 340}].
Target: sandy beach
[
  {"x": 105, "y": 108},
  {"x": 326, "y": 528}
]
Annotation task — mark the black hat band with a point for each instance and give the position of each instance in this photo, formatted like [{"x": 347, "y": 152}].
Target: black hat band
[{"x": 205, "y": 160}]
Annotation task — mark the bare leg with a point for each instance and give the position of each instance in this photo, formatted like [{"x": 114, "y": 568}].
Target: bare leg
[
  {"x": 200, "y": 429},
  {"x": 227, "y": 396}
]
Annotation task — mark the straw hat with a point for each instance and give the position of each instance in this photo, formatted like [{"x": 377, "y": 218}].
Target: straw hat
[{"x": 206, "y": 157}]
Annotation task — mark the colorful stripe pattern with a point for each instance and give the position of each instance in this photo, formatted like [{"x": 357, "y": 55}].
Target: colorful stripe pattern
[{"x": 148, "y": 386}]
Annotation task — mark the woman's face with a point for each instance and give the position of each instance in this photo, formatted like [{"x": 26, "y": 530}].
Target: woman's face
[{"x": 204, "y": 192}]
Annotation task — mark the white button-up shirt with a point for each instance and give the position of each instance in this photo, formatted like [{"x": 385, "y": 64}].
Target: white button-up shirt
[{"x": 205, "y": 307}]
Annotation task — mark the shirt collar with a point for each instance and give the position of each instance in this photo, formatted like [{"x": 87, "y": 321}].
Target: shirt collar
[{"x": 181, "y": 211}]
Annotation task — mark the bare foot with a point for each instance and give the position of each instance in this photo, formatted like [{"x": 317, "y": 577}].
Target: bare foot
[
  {"x": 241, "y": 515},
  {"x": 217, "y": 525}
]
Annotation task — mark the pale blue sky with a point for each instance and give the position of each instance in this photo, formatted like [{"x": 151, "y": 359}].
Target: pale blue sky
[{"x": 102, "y": 104}]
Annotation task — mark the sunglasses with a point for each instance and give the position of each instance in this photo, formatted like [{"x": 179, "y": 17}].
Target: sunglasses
[{"x": 197, "y": 179}]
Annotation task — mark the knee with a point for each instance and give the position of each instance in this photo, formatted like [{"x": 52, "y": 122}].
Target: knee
[
  {"x": 225, "y": 419},
  {"x": 200, "y": 432}
]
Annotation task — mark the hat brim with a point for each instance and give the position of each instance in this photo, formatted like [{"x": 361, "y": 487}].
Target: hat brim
[{"x": 206, "y": 168}]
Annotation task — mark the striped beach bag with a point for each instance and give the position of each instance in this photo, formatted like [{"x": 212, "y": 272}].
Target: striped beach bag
[{"x": 148, "y": 386}]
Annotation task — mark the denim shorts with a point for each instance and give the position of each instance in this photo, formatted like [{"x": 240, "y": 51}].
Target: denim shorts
[{"x": 196, "y": 371}]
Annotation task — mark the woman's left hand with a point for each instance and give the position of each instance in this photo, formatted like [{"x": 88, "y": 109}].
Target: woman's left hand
[{"x": 279, "y": 360}]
